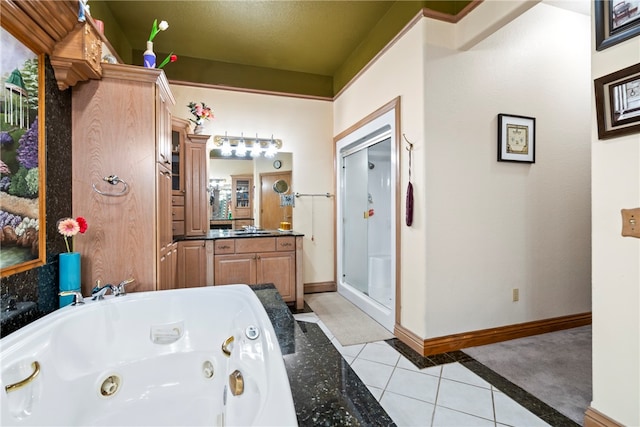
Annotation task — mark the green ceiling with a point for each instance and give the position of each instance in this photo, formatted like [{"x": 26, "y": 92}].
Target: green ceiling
[{"x": 301, "y": 47}]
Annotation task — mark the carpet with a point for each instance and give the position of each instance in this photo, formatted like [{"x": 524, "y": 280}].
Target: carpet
[
  {"x": 554, "y": 367},
  {"x": 347, "y": 323}
]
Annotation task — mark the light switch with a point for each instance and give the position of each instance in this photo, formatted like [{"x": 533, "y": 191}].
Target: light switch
[{"x": 631, "y": 222}]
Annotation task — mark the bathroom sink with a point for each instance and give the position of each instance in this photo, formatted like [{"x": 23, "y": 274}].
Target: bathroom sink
[{"x": 255, "y": 232}]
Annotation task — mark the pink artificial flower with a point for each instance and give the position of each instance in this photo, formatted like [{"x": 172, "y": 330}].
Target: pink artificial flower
[{"x": 68, "y": 227}]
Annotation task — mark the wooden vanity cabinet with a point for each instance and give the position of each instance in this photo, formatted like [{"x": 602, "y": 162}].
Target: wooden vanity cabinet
[
  {"x": 120, "y": 124},
  {"x": 261, "y": 260}
]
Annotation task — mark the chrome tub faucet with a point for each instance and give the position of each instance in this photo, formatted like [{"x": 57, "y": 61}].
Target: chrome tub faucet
[
  {"x": 99, "y": 292},
  {"x": 120, "y": 288}
]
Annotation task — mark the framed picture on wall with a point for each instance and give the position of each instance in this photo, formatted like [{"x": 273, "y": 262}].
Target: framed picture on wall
[
  {"x": 618, "y": 102},
  {"x": 615, "y": 21},
  {"x": 516, "y": 138}
]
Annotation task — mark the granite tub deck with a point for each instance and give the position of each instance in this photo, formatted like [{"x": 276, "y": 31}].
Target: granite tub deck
[{"x": 326, "y": 391}]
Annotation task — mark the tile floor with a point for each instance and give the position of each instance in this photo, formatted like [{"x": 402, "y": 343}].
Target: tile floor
[{"x": 443, "y": 395}]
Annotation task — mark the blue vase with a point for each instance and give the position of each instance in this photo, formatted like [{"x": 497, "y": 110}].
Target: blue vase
[
  {"x": 149, "y": 58},
  {"x": 69, "y": 275}
]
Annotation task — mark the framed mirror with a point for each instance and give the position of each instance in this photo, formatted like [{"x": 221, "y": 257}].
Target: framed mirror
[{"x": 22, "y": 157}]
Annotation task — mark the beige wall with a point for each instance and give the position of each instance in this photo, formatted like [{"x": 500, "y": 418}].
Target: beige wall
[
  {"x": 399, "y": 72},
  {"x": 484, "y": 227},
  {"x": 494, "y": 226},
  {"x": 615, "y": 185},
  {"x": 306, "y": 131}
]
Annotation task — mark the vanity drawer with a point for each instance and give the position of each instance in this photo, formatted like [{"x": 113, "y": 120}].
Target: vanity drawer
[
  {"x": 255, "y": 244},
  {"x": 224, "y": 246},
  {"x": 177, "y": 200},
  {"x": 285, "y": 243},
  {"x": 177, "y": 212},
  {"x": 178, "y": 228}
]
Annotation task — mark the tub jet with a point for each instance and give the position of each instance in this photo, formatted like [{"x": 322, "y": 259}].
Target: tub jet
[
  {"x": 110, "y": 385},
  {"x": 207, "y": 369}
]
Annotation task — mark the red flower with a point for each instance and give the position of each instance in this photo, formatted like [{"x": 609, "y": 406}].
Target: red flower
[
  {"x": 174, "y": 58},
  {"x": 82, "y": 223}
]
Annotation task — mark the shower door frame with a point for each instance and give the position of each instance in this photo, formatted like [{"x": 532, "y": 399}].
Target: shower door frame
[{"x": 386, "y": 116}]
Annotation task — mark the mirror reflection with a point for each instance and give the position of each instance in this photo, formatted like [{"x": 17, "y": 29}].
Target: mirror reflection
[
  {"x": 281, "y": 186},
  {"x": 242, "y": 191}
]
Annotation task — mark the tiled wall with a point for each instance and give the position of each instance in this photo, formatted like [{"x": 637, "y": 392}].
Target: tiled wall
[{"x": 41, "y": 284}]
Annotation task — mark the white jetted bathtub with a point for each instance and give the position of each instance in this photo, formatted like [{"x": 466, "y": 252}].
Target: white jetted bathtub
[{"x": 188, "y": 357}]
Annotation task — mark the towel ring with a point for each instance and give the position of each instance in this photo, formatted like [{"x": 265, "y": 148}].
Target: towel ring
[{"x": 113, "y": 180}]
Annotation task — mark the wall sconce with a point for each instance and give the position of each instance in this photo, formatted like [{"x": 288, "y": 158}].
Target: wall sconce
[{"x": 256, "y": 146}]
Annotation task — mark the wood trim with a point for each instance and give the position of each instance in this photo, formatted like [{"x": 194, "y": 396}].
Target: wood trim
[
  {"x": 393, "y": 105},
  {"x": 311, "y": 288},
  {"x": 409, "y": 338},
  {"x": 595, "y": 418},
  {"x": 503, "y": 333},
  {"x": 248, "y": 90},
  {"x": 454, "y": 19}
]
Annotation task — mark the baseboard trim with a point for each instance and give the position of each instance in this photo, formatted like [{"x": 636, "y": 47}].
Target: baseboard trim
[
  {"x": 311, "y": 288},
  {"x": 409, "y": 338},
  {"x": 489, "y": 336},
  {"x": 595, "y": 418}
]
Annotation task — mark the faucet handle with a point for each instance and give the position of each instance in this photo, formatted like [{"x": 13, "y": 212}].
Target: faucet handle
[
  {"x": 97, "y": 287},
  {"x": 120, "y": 289},
  {"x": 78, "y": 299}
]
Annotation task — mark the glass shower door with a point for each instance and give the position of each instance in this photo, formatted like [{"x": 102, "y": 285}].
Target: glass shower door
[{"x": 355, "y": 226}]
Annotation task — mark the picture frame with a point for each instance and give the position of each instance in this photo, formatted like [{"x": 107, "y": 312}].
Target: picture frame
[
  {"x": 615, "y": 21},
  {"x": 516, "y": 138},
  {"x": 618, "y": 103},
  {"x": 22, "y": 155}
]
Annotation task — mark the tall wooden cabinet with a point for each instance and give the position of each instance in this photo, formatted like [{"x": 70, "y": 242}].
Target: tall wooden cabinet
[
  {"x": 196, "y": 212},
  {"x": 122, "y": 127},
  {"x": 190, "y": 207}
]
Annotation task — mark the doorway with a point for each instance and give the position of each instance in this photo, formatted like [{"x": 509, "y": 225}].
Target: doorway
[
  {"x": 367, "y": 218},
  {"x": 271, "y": 213}
]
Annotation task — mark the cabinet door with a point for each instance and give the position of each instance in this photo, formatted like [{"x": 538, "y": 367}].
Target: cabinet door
[
  {"x": 192, "y": 263},
  {"x": 278, "y": 268},
  {"x": 165, "y": 220},
  {"x": 235, "y": 269},
  {"x": 242, "y": 188},
  {"x": 164, "y": 270},
  {"x": 172, "y": 270},
  {"x": 196, "y": 211},
  {"x": 163, "y": 129},
  {"x": 177, "y": 166}
]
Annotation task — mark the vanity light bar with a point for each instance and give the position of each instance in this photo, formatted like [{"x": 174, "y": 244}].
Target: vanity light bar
[{"x": 234, "y": 141}]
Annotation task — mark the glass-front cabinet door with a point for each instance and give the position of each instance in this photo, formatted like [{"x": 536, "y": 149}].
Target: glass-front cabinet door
[{"x": 242, "y": 187}]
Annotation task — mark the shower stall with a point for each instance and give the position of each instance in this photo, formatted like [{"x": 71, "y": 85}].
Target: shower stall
[{"x": 366, "y": 226}]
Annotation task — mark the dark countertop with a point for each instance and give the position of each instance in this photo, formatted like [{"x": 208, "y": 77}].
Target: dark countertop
[
  {"x": 326, "y": 391},
  {"x": 234, "y": 234}
]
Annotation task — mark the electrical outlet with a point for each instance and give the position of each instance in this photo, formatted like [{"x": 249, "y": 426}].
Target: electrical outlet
[{"x": 516, "y": 294}]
